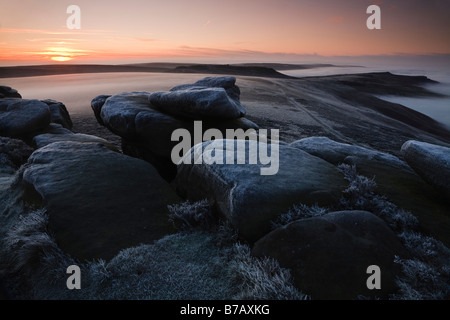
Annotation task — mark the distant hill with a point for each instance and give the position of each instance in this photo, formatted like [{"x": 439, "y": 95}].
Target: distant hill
[
  {"x": 238, "y": 70},
  {"x": 249, "y": 69},
  {"x": 286, "y": 66},
  {"x": 55, "y": 69}
]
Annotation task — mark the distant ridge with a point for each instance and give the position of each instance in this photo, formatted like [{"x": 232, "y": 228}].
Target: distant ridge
[
  {"x": 239, "y": 70},
  {"x": 55, "y": 69},
  {"x": 248, "y": 69},
  {"x": 287, "y": 66}
]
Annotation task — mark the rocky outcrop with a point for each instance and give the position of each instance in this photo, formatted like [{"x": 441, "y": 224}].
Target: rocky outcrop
[
  {"x": 21, "y": 117},
  {"x": 198, "y": 104},
  {"x": 130, "y": 116},
  {"x": 336, "y": 153},
  {"x": 8, "y": 92},
  {"x": 209, "y": 98},
  {"x": 146, "y": 121},
  {"x": 97, "y": 104},
  {"x": 99, "y": 201},
  {"x": 24, "y": 118},
  {"x": 59, "y": 113},
  {"x": 245, "y": 197},
  {"x": 431, "y": 162},
  {"x": 329, "y": 255},
  {"x": 227, "y": 83},
  {"x": 394, "y": 178}
]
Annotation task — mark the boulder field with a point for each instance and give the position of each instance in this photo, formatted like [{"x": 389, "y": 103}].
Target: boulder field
[{"x": 100, "y": 201}]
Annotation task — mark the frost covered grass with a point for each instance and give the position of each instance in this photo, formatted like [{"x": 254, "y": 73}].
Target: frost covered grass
[
  {"x": 421, "y": 281},
  {"x": 192, "y": 216},
  {"x": 425, "y": 276},
  {"x": 261, "y": 279},
  {"x": 361, "y": 195},
  {"x": 32, "y": 253},
  {"x": 195, "y": 265},
  {"x": 426, "y": 272},
  {"x": 28, "y": 241}
]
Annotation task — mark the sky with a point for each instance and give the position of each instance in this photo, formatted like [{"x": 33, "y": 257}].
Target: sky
[{"x": 35, "y": 31}]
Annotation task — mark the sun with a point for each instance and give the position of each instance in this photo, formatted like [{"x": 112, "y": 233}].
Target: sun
[
  {"x": 61, "y": 59},
  {"x": 62, "y": 54}
]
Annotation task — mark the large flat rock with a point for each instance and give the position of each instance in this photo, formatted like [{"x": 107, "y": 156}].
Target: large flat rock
[
  {"x": 119, "y": 112},
  {"x": 99, "y": 201},
  {"x": 208, "y": 98},
  {"x": 198, "y": 104},
  {"x": 245, "y": 197},
  {"x": 336, "y": 152},
  {"x": 228, "y": 83}
]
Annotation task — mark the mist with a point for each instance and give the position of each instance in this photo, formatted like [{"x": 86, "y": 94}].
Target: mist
[
  {"x": 435, "y": 67},
  {"x": 77, "y": 90}
]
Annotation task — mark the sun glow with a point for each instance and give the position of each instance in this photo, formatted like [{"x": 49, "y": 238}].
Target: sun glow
[
  {"x": 62, "y": 54},
  {"x": 61, "y": 59},
  {"x": 38, "y": 31}
]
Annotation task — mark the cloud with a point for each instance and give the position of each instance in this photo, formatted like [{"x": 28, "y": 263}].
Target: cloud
[
  {"x": 37, "y": 31},
  {"x": 56, "y": 40},
  {"x": 207, "y": 52},
  {"x": 52, "y": 32},
  {"x": 61, "y": 52},
  {"x": 203, "y": 52}
]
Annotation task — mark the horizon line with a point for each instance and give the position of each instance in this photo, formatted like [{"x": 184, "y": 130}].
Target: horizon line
[{"x": 215, "y": 60}]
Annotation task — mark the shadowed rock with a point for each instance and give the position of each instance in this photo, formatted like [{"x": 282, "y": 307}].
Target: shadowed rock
[
  {"x": 15, "y": 151},
  {"x": 97, "y": 104},
  {"x": 20, "y": 117},
  {"x": 8, "y": 92},
  {"x": 329, "y": 255},
  {"x": 99, "y": 201},
  {"x": 394, "y": 179},
  {"x": 59, "y": 113}
]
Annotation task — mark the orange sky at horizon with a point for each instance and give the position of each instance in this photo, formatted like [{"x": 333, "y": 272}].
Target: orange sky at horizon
[{"x": 142, "y": 30}]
